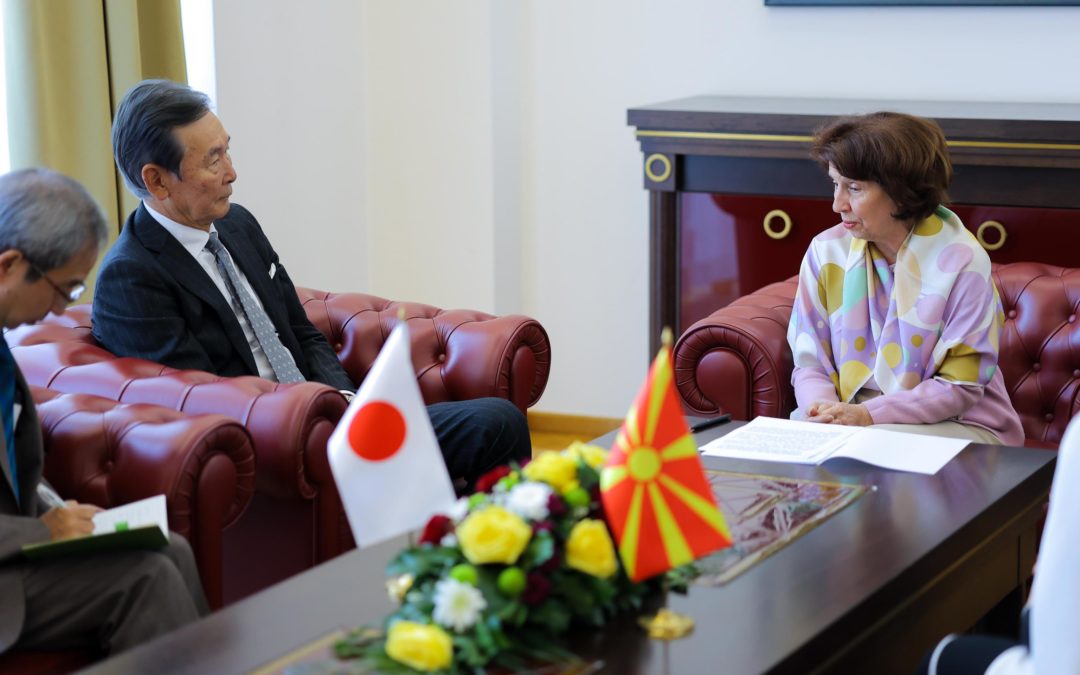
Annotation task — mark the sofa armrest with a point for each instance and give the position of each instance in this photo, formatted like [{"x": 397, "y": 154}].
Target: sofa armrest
[
  {"x": 737, "y": 360},
  {"x": 286, "y": 422},
  {"x": 458, "y": 354},
  {"x": 105, "y": 453}
]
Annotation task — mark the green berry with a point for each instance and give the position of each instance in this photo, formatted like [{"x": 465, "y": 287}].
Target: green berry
[
  {"x": 465, "y": 573},
  {"x": 577, "y": 497},
  {"x": 511, "y": 582},
  {"x": 477, "y": 499}
]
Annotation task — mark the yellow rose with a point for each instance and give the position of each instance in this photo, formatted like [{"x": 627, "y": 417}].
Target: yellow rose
[
  {"x": 589, "y": 549},
  {"x": 593, "y": 455},
  {"x": 493, "y": 535},
  {"x": 554, "y": 468},
  {"x": 419, "y": 646}
]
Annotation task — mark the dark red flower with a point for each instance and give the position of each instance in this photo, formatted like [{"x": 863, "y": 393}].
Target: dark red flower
[
  {"x": 438, "y": 527},
  {"x": 556, "y": 505},
  {"x": 543, "y": 526},
  {"x": 487, "y": 482},
  {"x": 537, "y": 588},
  {"x": 553, "y": 563}
]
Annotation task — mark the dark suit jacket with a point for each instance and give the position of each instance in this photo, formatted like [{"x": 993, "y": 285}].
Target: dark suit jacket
[
  {"x": 154, "y": 301},
  {"x": 19, "y": 523}
]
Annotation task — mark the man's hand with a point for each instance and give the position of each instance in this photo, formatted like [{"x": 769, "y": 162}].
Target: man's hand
[
  {"x": 73, "y": 520},
  {"x": 831, "y": 412}
]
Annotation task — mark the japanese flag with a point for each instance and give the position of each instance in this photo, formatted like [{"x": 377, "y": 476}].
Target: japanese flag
[{"x": 384, "y": 456}]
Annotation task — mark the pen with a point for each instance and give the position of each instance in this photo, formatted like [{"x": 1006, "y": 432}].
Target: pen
[
  {"x": 710, "y": 423},
  {"x": 49, "y": 496}
]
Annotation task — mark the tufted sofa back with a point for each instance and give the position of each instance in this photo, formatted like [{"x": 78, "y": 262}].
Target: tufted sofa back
[
  {"x": 737, "y": 360},
  {"x": 1040, "y": 345},
  {"x": 455, "y": 351}
]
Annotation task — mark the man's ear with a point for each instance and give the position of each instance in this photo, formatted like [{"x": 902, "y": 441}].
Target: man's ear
[
  {"x": 8, "y": 262},
  {"x": 153, "y": 177}
]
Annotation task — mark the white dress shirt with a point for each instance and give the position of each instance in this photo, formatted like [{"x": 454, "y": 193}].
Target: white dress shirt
[{"x": 194, "y": 242}]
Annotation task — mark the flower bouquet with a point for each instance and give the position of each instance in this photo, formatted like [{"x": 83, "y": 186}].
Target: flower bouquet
[{"x": 500, "y": 579}]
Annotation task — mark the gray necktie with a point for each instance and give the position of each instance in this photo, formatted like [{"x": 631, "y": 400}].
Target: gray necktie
[{"x": 280, "y": 360}]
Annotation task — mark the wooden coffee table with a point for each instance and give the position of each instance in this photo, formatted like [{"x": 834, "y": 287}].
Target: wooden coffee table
[{"x": 869, "y": 590}]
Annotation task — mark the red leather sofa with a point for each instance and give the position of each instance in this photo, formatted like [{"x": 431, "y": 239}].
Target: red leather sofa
[
  {"x": 295, "y": 519},
  {"x": 737, "y": 359},
  {"x": 106, "y": 453}
]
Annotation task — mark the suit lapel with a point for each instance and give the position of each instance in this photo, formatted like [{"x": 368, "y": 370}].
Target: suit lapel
[
  {"x": 28, "y": 450},
  {"x": 5, "y": 464},
  {"x": 29, "y": 447},
  {"x": 189, "y": 273}
]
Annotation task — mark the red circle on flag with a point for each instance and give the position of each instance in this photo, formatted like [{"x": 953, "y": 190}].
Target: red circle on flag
[{"x": 377, "y": 431}]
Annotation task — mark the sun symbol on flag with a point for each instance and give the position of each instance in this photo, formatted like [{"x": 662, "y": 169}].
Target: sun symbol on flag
[
  {"x": 377, "y": 431},
  {"x": 658, "y": 500}
]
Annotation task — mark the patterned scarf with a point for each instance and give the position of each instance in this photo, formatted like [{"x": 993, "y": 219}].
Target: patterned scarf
[{"x": 935, "y": 314}]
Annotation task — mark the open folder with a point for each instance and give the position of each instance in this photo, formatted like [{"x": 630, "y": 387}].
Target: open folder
[
  {"x": 776, "y": 440},
  {"x": 139, "y": 525}
]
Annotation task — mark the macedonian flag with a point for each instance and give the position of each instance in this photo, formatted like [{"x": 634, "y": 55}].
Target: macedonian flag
[{"x": 654, "y": 491}]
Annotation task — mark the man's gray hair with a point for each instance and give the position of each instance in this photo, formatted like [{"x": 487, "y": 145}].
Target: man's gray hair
[{"x": 49, "y": 217}]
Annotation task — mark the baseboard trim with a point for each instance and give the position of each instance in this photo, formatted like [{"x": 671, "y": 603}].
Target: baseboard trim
[{"x": 561, "y": 423}]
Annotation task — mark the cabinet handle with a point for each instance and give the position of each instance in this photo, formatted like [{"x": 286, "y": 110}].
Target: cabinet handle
[
  {"x": 784, "y": 218},
  {"x": 991, "y": 225}
]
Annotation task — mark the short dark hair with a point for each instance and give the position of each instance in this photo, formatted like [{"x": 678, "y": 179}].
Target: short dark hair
[
  {"x": 143, "y": 129},
  {"x": 906, "y": 155},
  {"x": 49, "y": 217}
]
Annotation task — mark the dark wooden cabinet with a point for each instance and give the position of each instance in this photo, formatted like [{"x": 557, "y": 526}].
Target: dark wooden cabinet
[{"x": 735, "y": 198}]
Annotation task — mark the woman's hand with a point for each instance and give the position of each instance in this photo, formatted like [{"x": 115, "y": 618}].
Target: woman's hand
[{"x": 832, "y": 412}]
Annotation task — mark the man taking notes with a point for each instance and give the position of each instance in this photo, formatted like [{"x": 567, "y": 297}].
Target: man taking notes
[
  {"x": 51, "y": 232},
  {"x": 193, "y": 282}
]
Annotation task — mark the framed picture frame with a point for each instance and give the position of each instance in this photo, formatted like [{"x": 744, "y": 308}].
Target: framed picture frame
[{"x": 920, "y": 3}]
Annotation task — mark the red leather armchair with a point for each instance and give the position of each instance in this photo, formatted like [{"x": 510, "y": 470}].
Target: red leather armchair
[
  {"x": 295, "y": 519},
  {"x": 106, "y": 453},
  {"x": 737, "y": 360}
]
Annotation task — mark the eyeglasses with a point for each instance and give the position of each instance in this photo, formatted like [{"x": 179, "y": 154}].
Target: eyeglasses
[{"x": 69, "y": 296}]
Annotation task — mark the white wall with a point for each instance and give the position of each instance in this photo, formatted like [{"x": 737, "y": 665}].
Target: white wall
[
  {"x": 495, "y": 169},
  {"x": 290, "y": 91}
]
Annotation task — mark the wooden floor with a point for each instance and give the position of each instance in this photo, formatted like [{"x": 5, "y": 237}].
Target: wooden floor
[{"x": 555, "y": 431}]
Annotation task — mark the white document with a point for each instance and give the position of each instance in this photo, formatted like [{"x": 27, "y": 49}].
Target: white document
[
  {"x": 776, "y": 440},
  {"x": 149, "y": 511}
]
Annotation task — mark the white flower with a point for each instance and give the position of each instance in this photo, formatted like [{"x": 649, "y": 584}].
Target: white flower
[
  {"x": 459, "y": 510},
  {"x": 529, "y": 500},
  {"x": 448, "y": 540},
  {"x": 457, "y": 604}
]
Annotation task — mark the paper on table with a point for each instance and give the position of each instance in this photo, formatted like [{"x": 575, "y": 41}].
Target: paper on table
[
  {"x": 776, "y": 440},
  {"x": 900, "y": 451},
  {"x": 149, "y": 511}
]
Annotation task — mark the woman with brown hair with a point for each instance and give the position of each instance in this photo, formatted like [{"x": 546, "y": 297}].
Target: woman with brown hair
[{"x": 896, "y": 321}]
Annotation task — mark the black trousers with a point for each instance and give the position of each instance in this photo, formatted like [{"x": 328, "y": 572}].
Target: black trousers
[
  {"x": 111, "y": 600},
  {"x": 479, "y": 435}
]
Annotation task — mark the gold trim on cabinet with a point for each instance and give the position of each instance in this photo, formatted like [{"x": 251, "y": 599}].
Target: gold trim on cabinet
[
  {"x": 664, "y": 174},
  {"x": 782, "y": 138},
  {"x": 991, "y": 225},
  {"x": 722, "y": 136},
  {"x": 767, "y": 224}
]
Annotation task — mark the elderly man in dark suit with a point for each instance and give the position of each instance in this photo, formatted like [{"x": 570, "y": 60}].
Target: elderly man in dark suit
[
  {"x": 51, "y": 232},
  {"x": 193, "y": 282}
]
